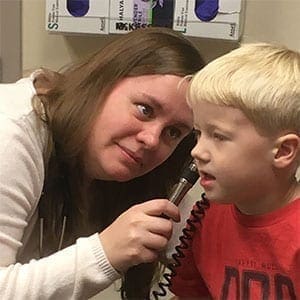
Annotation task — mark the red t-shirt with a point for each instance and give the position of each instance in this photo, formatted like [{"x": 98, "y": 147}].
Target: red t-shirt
[{"x": 236, "y": 256}]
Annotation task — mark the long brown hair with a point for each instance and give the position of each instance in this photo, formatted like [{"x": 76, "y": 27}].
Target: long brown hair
[{"x": 72, "y": 100}]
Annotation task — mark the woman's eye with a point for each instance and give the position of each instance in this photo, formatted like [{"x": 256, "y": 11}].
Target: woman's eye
[
  {"x": 146, "y": 110},
  {"x": 174, "y": 133}
]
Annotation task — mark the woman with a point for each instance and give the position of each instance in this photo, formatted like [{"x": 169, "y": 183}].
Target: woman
[{"x": 81, "y": 151}]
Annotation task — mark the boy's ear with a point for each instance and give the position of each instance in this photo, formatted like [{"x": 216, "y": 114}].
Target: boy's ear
[{"x": 286, "y": 150}]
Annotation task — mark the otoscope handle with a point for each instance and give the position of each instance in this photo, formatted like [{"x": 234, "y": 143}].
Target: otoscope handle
[{"x": 189, "y": 176}]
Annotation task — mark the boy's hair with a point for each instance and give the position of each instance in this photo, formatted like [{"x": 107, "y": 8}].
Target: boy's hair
[{"x": 262, "y": 80}]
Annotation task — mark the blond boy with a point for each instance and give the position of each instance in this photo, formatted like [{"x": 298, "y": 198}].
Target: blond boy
[{"x": 246, "y": 107}]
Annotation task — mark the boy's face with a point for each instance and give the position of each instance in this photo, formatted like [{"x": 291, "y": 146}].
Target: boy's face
[{"x": 233, "y": 159}]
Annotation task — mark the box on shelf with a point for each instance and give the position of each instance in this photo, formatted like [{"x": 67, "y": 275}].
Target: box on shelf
[
  {"x": 219, "y": 19},
  {"x": 212, "y": 19},
  {"x": 127, "y": 15},
  {"x": 77, "y": 16}
]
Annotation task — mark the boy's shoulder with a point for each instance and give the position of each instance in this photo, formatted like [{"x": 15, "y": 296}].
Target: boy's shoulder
[{"x": 225, "y": 214}]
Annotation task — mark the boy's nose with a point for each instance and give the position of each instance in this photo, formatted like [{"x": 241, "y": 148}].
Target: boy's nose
[{"x": 201, "y": 152}]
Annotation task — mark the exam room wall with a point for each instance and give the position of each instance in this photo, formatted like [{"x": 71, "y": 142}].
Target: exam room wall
[{"x": 264, "y": 20}]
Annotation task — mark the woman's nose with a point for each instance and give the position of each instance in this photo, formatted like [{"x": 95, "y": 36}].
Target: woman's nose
[{"x": 150, "y": 136}]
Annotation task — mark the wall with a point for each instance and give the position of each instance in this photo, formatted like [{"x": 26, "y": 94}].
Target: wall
[
  {"x": 265, "y": 20},
  {"x": 10, "y": 40}
]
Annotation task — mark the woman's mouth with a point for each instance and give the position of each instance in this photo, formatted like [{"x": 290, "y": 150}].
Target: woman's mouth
[{"x": 131, "y": 156}]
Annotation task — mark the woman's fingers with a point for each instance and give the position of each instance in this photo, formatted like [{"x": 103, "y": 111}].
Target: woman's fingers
[
  {"x": 139, "y": 234},
  {"x": 160, "y": 207}
]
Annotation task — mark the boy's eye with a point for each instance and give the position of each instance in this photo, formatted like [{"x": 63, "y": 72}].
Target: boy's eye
[
  {"x": 174, "y": 133},
  {"x": 146, "y": 110},
  {"x": 219, "y": 137}
]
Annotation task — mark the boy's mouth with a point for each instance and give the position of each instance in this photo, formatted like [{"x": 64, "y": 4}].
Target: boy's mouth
[
  {"x": 207, "y": 176},
  {"x": 206, "y": 179}
]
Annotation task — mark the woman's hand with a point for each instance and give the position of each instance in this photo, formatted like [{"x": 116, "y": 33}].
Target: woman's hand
[{"x": 139, "y": 234}]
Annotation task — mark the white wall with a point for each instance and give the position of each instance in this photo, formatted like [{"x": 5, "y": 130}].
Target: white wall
[{"x": 10, "y": 40}]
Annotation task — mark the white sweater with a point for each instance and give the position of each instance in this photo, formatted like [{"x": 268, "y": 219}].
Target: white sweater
[{"x": 77, "y": 272}]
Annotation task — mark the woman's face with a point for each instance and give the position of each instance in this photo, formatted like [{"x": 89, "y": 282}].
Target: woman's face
[{"x": 139, "y": 125}]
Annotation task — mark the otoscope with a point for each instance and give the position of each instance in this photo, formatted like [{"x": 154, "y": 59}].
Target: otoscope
[{"x": 188, "y": 178}]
